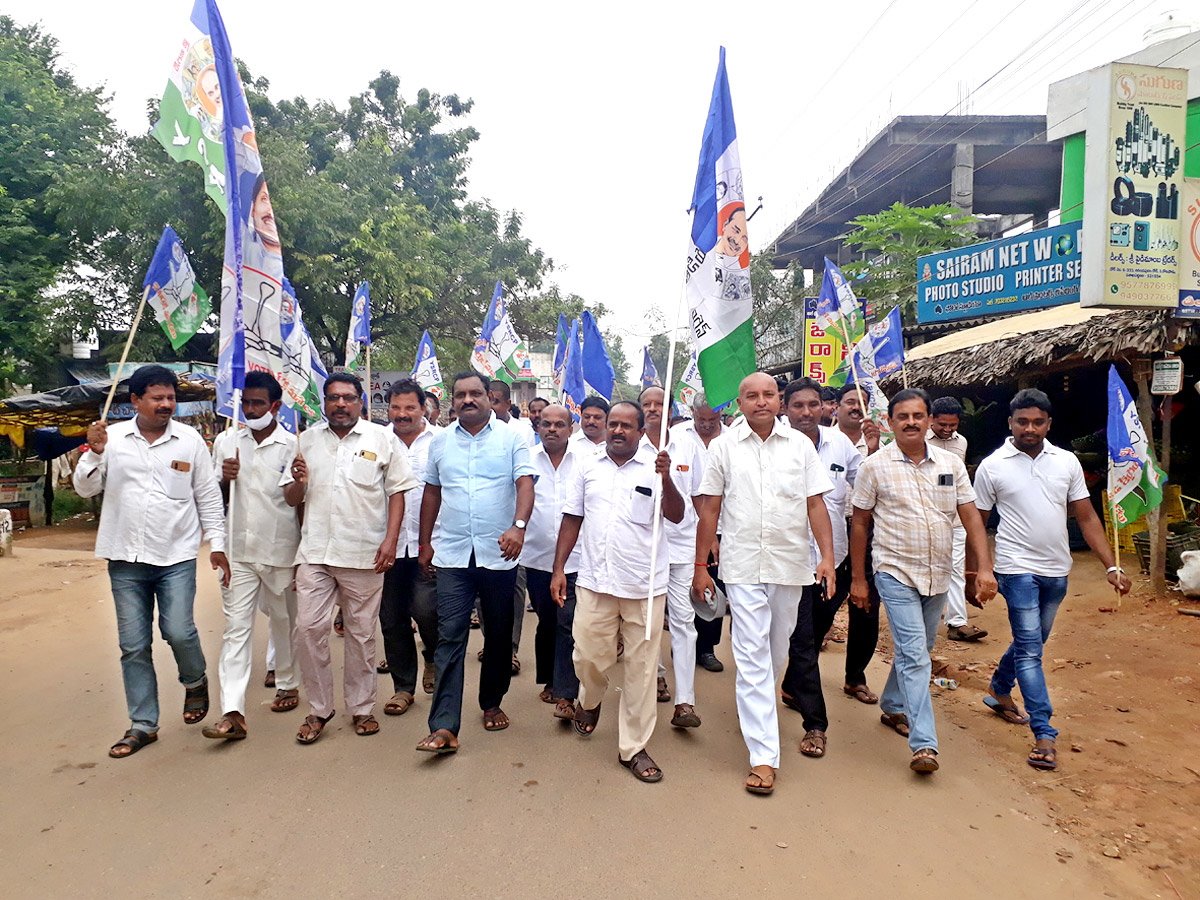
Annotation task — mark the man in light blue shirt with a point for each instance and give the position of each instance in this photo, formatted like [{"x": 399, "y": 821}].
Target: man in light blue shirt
[{"x": 479, "y": 480}]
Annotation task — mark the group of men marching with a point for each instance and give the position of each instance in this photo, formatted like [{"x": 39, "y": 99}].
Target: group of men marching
[{"x": 608, "y": 528}]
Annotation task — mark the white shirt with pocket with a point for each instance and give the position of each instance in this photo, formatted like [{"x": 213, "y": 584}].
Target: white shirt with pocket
[
  {"x": 409, "y": 542},
  {"x": 158, "y": 497},
  {"x": 261, "y": 527},
  {"x": 841, "y": 460},
  {"x": 349, "y": 482},
  {"x": 687, "y": 468},
  {"x": 550, "y": 487},
  {"x": 617, "y": 505}
]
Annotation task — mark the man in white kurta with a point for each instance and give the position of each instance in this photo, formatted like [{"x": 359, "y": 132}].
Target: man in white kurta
[{"x": 253, "y": 467}]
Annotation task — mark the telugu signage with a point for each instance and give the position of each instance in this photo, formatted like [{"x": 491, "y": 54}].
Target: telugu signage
[
  {"x": 823, "y": 351},
  {"x": 1189, "y": 251},
  {"x": 1133, "y": 176},
  {"x": 1014, "y": 274}
]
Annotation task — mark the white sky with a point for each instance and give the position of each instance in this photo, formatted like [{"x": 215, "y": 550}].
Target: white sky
[{"x": 591, "y": 115}]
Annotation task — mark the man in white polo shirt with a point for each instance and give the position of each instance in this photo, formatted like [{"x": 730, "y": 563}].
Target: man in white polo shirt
[
  {"x": 263, "y": 533},
  {"x": 766, "y": 480},
  {"x": 1034, "y": 486},
  {"x": 611, "y": 499},
  {"x": 351, "y": 475}
]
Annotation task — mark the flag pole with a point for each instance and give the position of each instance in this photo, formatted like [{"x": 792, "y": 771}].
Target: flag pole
[
  {"x": 662, "y": 441},
  {"x": 368, "y": 382},
  {"x": 1116, "y": 532},
  {"x": 124, "y": 355},
  {"x": 853, "y": 368},
  {"x": 234, "y": 423}
]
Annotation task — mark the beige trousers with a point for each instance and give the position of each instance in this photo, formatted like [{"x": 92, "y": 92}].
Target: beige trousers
[
  {"x": 599, "y": 618},
  {"x": 318, "y": 590}
]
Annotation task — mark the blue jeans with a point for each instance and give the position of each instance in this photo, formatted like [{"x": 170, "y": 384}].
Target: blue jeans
[
  {"x": 1033, "y": 601},
  {"x": 456, "y": 593},
  {"x": 913, "y": 620},
  {"x": 135, "y": 587}
]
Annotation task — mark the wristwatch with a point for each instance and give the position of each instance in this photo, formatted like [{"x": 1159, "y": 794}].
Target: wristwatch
[{"x": 520, "y": 523}]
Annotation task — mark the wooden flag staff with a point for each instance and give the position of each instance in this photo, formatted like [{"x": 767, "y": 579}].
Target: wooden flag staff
[{"x": 124, "y": 355}]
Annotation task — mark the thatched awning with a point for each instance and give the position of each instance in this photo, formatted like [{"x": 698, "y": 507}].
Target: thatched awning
[{"x": 1039, "y": 343}]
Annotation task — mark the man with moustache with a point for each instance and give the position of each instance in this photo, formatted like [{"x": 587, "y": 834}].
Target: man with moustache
[
  {"x": 687, "y": 468},
  {"x": 263, "y": 533},
  {"x": 347, "y": 474},
  {"x": 804, "y": 408},
  {"x": 159, "y": 494},
  {"x": 610, "y": 506},
  {"x": 554, "y": 463},
  {"x": 705, "y": 425},
  {"x": 536, "y": 406},
  {"x": 766, "y": 480},
  {"x": 590, "y": 439},
  {"x": 852, "y": 422},
  {"x": 914, "y": 492},
  {"x": 408, "y": 594},
  {"x": 479, "y": 488}
]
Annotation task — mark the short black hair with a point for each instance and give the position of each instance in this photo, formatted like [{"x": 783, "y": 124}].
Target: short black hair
[
  {"x": 800, "y": 384},
  {"x": 596, "y": 401},
  {"x": 910, "y": 394},
  {"x": 148, "y": 376},
  {"x": 514, "y": 411},
  {"x": 1030, "y": 398},
  {"x": 650, "y": 387},
  {"x": 461, "y": 376},
  {"x": 406, "y": 386},
  {"x": 431, "y": 397},
  {"x": 850, "y": 387},
  {"x": 501, "y": 388},
  {"x": 827, "y": 394},
  {"x": 641, "y": 415},
  {"x": 343, "y": 378},
  {"x": 265, "y": 381},
  {"x": 946, "y": 406},
  {"x": 539, "y": 400}
]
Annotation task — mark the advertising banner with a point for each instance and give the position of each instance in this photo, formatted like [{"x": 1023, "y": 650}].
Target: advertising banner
[
  {"x": 1133, "y": 175},
  {"x": 823, "y": 350},
  {"x": 1014, "y": 274},
  {"x": 25, "y": 497},
  {"x": 1189, "y": 259}
]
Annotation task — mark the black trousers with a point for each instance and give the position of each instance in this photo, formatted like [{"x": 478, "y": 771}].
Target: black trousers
[
  {"x": 407, "y": 595},
  {"x": 802, "y": 681},
  {"x": 863, "y": 634},
  {"x": 553, "y": 643}
]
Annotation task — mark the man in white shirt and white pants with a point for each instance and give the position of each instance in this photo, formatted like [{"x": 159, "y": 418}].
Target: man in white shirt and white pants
[
  {"x": 351, "y": 475},
  {"x": 612, "y": 501},
  {"x": 263, "y": 533},
  {"x": 1034, "y": 485},
  {"x": 765, "y": 480},
  {"x": 160, "y": 492}
]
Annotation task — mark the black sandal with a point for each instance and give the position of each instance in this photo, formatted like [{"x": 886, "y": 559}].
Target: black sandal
[
  {"x": 195, "y": 700},
  {"x": 135, "y": 739},
  {"x": 585, "y": 720},
  {"x": 640, "y": 765}
]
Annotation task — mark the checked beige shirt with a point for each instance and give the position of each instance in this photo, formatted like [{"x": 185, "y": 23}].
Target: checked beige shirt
[{"x": 915, "y": 507}]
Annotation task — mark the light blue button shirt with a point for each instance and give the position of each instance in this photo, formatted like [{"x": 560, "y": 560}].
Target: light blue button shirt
[{"x": 478, "y": 477}]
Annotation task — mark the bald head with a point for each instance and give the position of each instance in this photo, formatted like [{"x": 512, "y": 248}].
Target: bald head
[
  {"x": 758, "y": 399},
  {"x": 554, "y": 427}
]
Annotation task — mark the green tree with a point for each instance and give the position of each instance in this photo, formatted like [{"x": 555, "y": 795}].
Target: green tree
[
  {"x": 49, "y": 127},
  {"x": 894, "y": 239}
]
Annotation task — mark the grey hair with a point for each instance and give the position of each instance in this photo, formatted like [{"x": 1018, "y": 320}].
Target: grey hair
[{"x": 699, "y": 401}]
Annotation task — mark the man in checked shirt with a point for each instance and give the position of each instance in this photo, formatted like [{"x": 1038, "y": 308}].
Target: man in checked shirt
[{"x": 914, "y": 492}]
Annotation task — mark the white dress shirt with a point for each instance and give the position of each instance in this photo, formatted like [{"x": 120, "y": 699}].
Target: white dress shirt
[
  {"x": 687, "y": 468},
  {"x": 583, "y": 445},
  {"x": 1031, "y": 495},
  {"x": 522, "y": 426},
  {"x": 550, "y": 487},
  {"x": 349, "y": 483},
  {"x": 158, "y": 497},
  {"x": 409, "y": 542},
  {"x": 841, "y": 460},
  {"x": 617, "y": 505},
  {"x": 264, "y": 528},
  {"x": 764, "y": 486}
]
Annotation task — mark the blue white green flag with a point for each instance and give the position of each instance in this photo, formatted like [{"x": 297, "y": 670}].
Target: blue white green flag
[
  {"x": 426, "y": 370},
  {"x": 358, "y": 334},
  {"x": 180, "y": 305},
  {"x": 1134, "y": 480}
]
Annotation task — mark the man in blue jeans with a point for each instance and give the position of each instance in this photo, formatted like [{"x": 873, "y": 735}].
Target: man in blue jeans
[
  {"x": 914, "y": 492},
  {"x": 479, "y": 480},
  {"x": 159, "y": 493},
  {"x": 1034, "y": 486}
]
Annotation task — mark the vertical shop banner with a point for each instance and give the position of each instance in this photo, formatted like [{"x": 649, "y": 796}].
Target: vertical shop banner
[
  {"x": 1189, "y": 260},
  {"x": 1133, "y": 180}
]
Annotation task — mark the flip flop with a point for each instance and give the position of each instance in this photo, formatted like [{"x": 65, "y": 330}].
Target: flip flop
[
  {"x": 1046, "y": 758},
  {"x": 766, "y": 784},
  {"x": 895, "y": 721},
  {"x": 1010, "y": 714},
  {"x": 860, "y": 692},
  {"x": 444, "y": 748}
]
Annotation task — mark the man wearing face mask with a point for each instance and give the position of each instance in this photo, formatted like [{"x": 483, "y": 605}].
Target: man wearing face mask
[{"x": 264, "y": 532}]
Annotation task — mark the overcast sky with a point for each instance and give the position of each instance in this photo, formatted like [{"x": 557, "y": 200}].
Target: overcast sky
[{"x": 591, "y": 115}]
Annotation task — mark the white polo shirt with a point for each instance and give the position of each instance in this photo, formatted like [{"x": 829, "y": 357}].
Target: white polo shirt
[
  {"x": 349, "y": 482},
  {"x": 617, "y": 505},
  {"x": 550, "y": 486},
  {"x": 1031, "y": 495},
  {"x": 841, "y": 460},
  {"x": 764, "y": 486},
  {"x": 687, "y": 468},
  {"x": 157, "y": 496},
  {"x": 409, "y": 543},
  {"x": 265, "y": 529}
]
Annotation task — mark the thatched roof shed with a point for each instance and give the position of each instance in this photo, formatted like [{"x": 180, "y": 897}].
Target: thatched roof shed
[{"x": 1050, "y": 340}]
